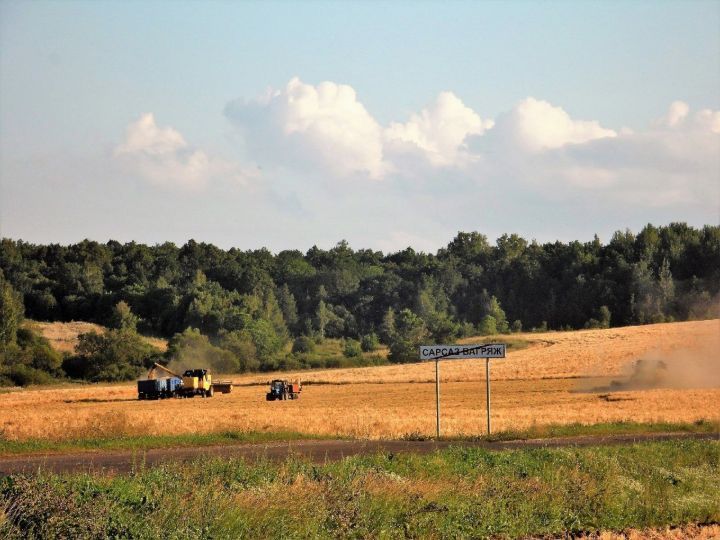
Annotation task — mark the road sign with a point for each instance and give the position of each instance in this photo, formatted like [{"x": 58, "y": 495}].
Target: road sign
[{"x": 462, "y": 352}]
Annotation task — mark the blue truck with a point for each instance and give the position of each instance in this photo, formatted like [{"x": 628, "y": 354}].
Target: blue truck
[{"x": 160, "y": 388}]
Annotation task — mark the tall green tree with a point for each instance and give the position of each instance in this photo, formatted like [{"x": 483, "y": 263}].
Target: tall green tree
[
  {"x": 11, "y": 312},
  {"x": 409, "y": 334}
]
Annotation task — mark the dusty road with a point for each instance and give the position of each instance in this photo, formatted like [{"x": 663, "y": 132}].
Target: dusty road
[{"x": 319, "y": 451}]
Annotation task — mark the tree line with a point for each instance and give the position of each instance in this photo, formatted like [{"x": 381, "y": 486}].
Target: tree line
[{"x": 251, "y": 303}]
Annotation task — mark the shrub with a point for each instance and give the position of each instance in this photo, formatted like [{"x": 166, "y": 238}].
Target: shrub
[
  {"x": 241, "y": 345},
  {"x": 488, "y": 325},
  {"x": 604, "y": 317},
  {"x": 22, "y": 375},
  {"x": 303, "y": 345},
  {"x": 352, "y": 348},
  {"x": 116, "y": 355},
  {"x": 370, "y": 342}
]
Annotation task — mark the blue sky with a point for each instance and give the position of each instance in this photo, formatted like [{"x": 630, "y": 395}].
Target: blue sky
[{"x": 386, "y": 123}]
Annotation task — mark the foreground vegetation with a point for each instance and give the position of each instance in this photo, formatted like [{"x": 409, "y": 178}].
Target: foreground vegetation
[{"x": 456, "y": 493}]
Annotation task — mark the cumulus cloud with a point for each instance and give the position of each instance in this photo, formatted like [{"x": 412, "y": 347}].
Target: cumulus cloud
[
  {"x": 326, "y": 128},
  {"x": 316, "y": 127},
  {"x": 677, "y": 112},
  {"x": 163, "y": 157},
  {"x": 534, "y": 125},
  {"x": 440, "y": 130},
  {"x": 674, "y": 162},
  {"x": 535, "y": 146}
]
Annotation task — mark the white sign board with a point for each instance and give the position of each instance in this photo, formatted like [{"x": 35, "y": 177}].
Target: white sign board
[{"x": 462, "y": 352}]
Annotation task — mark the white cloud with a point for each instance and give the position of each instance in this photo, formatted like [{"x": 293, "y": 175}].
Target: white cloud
[
  {"x": 163, "y": 157},
  {"x": 677, "y": 112},
  {"x": 535, "y": 125},
  {"x": 674, "y": 163},
  {"x": 440, "y": 130},
  {"x": 708, "y": 120},
  {"x": 316, "y": 127},
  {"x": 326, "y": 128},
  {"x": 325, "y": 132}
]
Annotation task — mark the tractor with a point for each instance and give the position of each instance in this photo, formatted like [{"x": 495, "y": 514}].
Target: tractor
[{"x": 281, "y": 390}]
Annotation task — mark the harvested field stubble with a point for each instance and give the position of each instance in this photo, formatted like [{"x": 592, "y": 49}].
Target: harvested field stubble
[{"x": 532, "y": 387}]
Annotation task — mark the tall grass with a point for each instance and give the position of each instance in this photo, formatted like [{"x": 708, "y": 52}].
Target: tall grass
[{"x": 457, "y": 493}]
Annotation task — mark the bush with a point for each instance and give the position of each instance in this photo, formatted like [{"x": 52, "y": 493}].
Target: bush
[
  {"x": 116, "y": 355},
  {"x": 488, "y": 326},
  {"x": 22, "y": 375},
  {"x": 303, "y": 345},
  {"x": 352, "y": 349},
  {"x": 41, "y": 354},
  {"x": 467, "y": 329},
  {"x": 370, "y": 342},
  {"x": 542, "y": 328},
  {"x": 240, "y": 344},
  {"x": 517, "y": 326},
  {"x": 605, "y": 316},
  {"x": 333, "y": 362}
]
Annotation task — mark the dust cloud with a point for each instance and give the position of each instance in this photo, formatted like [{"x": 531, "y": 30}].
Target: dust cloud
[
  {"x": 694, "y": 366},
  {"x": 200, "y": 355}
]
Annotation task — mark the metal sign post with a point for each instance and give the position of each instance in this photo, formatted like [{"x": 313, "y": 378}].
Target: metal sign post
[
  {"x": 487, "y": 391},
  {"x": 461, "y": 352},
  {"x": 437, "y": 395}
]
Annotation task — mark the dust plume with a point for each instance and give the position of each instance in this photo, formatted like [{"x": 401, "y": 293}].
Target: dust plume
[
  {"x": 694, "y": 366},
  {"x": 202, "y": 355}
]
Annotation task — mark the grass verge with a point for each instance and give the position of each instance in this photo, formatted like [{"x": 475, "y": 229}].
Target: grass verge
[
  {"x": 553, "y": 431},
  {"x": 454, "y": 493},
  {"x": 144, "y": 442}
]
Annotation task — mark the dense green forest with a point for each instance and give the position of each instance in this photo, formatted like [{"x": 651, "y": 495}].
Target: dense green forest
[{"x": 245, "y": 306}]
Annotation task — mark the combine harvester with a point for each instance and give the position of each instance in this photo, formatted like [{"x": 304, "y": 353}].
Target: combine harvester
[{"x": 194, "y": 382}]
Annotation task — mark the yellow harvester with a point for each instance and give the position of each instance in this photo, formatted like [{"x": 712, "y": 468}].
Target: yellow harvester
[{"x": 197, "y": 382}]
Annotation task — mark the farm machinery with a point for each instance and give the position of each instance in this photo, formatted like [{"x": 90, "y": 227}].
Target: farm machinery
[
  {"x": 280, "y": 389},
  {"x": 193, "y": 382}
]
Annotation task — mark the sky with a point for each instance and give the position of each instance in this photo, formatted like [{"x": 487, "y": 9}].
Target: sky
[{"x": 388, "y": 124}]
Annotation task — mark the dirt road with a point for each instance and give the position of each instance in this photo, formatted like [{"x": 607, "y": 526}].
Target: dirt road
[{"x": 123, "y": 461}]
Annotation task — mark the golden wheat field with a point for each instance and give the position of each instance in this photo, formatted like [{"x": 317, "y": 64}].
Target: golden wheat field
[{"x": 560, "y": 377}]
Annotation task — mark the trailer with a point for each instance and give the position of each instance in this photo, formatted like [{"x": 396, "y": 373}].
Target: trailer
[
  {"x": 159, "y": 388},
  {"x": 222, "y": 387}
]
